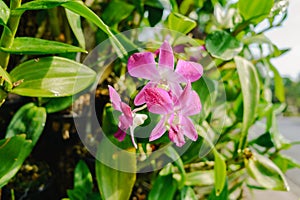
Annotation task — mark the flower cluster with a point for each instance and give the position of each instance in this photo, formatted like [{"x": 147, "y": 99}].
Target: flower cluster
[{"x": 163, "y": 95}]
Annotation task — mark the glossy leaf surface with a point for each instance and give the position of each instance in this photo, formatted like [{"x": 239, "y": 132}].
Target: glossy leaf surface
[
  {"x": 221, "y": 44},
  {"x": 255, "y": 10},
  {"x": 266, "y": 173},
  {"x": 113, "y": 183},
  {"x": 51, "y": 77},
  {"x": 29, "y": 120},
  {"x": 250, "y": 90},
  {"x": 12, "y": 158},
  {"x": 220, "y": 173},
  {"x": 181, "y": 23}
]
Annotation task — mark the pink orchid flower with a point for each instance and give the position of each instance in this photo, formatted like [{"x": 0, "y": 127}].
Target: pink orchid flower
[
  {"x": 177, "y": 119},
  {"x": 128, "y": 119},
  {"x": 163, "y": 75}
]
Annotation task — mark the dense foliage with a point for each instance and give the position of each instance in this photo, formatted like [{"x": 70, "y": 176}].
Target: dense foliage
[{"x": 238, "y": 88}]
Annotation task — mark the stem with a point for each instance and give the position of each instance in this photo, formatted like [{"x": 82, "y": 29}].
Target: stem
[
  {"x": 240, "y": 28},
  {"x": 54, "y": 22},
  {"x": 139, "y": 108},
  {"x": 243, "y": 141},
  {"x": 9, "y": 32}
]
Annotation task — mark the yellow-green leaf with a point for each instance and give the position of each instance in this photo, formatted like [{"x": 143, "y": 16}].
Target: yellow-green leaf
[
  {"x": 266, "y": 173},
  {"x": 255, "y": 10},
  {"x": 250, "y": 90},
  {"x": 181, "y": 23},
  {"x": 220, "y": 172}
]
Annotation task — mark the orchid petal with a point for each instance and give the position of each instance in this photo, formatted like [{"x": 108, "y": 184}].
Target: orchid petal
[
  {"x": 169, "y": 75},
  {"x": 115, "y": 98},
  {"x": 175, "y": 91},
  {"x": 126, "y": 119},
  {"x": 194, "y": 106},
  {"x": 140, "y": 97},
  {"x": 189, "y": 101},
  {"x": 166, "y": 58},
  {"x": 176, "y": 136},
  {"x": 139, "y": 119},
  {"x": 126, "y": 110},
  {"x": 142, "y": 65},
  {"x": 175, "y": 132},
  {"x": 188, "y": 128},
  {"x": 190, "y": 70},
  {"x": 120, "y": 135},
  {"x": 158, "y": 101},
  {"x": 158, "y": 130}
]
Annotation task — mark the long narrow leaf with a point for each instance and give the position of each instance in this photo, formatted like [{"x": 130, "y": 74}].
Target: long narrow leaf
[
  {"x": 27, "y": 45},
  {"x": 250, "y": 89},
  {"x": 81, "y": 9},
  {"x": 75, "y": 24}
]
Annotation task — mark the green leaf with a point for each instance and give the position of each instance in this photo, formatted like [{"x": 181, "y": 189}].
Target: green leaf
[
  {"x": 29, "y": 120},
  {"x": 5, "y": 76},
  {"x": 113, "y": 183},
  {"x": 200, "y": 178},
  {"x": 264, "y": 140},
  {"x": 155, "y": 10},
  {"x": 250, "y": 90},
  {"x": 51, "y": 77},
  {"x": 13, "y": 152},
  {"x": 109, "y": 124},
  {"x": 266, "y": 173},
  {"x": 276, "y": 52},
  {"x": 27, "y": 45},
  {"x": 75, "y": 24},
  {"x": 80, "y": 8},
  {"x": 53, "y": 105},
  {"x": 207, "y": 91},
  {"x": 187, "y": 193},
  {"x": 76, "y": 194},
  {"x": 221, "y": 44},
  {"x": 83, "y": 177},
  {"x": 220, "y": 172},
  {"x": 278, "y": 140},
  {"x": 172, "y": 153},
  {"x": 192, "y": 153},
  {"x": 164, "y": 188},
  {"x": 174, "y": 5},
  {"x": 278, "y": 82},
  {"x": 285, "y": 163},
  {"x": 258, "y": 39},
  {"x": 3, "y": 96},
  {"x": 4, "y": 13},
  {"x": 181, "y": 23},
  {"x": 255, "y": 10},
  {"x": 77, "y": 7},
  {"x": 224, "y": 194},
  {"x": 116, "y": 11},
  {"x": 188, "y": 5},
  {"x": 41, "y": 4}
]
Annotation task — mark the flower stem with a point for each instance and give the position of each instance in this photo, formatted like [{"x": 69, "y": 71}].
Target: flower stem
[
  {"x": 139, "y": 108},
  {"x": 9, "y": 32}
]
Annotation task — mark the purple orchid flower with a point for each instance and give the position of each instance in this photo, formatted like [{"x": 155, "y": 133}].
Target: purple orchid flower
[
  {"x": 128, "y": 119},
  {"x": 176, "y": 120},
  {"x": 163, "y": 75}
]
